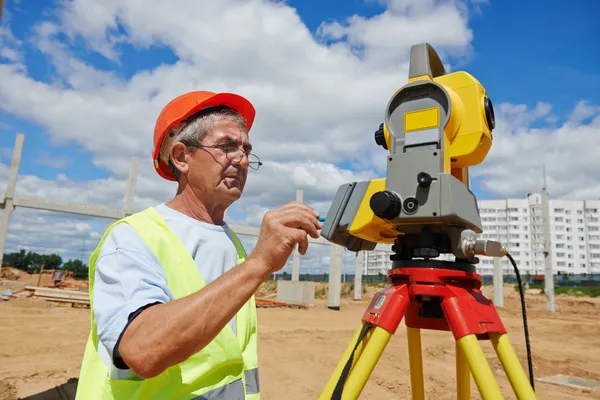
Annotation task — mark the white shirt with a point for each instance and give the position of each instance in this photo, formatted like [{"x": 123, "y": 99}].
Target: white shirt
[{"x": 128, "y": 275}]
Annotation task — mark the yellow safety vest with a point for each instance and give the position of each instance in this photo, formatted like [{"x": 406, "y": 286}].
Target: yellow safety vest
[{"x": 227, "y": 368}]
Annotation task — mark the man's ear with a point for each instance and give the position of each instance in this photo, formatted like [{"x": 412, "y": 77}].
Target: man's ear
[{"x": 178, "y": 157}]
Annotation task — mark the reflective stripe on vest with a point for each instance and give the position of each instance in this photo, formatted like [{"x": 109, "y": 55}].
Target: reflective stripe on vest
[
  {"x": 234, "y": 390},
  {"x": 252, "y": 385},
  {"x": 227, "y": 368},
  {"x": 231, "y": 391}
]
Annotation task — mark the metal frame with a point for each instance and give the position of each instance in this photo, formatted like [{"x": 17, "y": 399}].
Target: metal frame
[{"x": 9, "y": 202}]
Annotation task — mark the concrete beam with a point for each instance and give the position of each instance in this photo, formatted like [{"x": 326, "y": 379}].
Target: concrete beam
[
  {"x": 498, "y": 282},
  {"x": 296, "y": 254},
  {"x": 69, "y": 208},
  {"x": 133, "y": 170},
  {"x": 358, "y": 271},
  {"x": 8, "y": 201},
  {"x": 254, "y": 231},
  {"x": 548, "y": 270},
  {"x": 335, "y": 277}
]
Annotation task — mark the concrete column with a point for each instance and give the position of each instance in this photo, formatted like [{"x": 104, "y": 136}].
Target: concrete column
[
  {"x": 358, "y": 275},
  {"x": 8, "y": 206},
  {"x": 498, "y": 283},
  {"x": 131, "y": 186},
  {"x": 548, "y": 273},
  {"x": 296, "y": 254},
  {"x": 335, "y": 277}
]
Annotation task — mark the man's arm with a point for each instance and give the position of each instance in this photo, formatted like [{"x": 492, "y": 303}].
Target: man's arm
[
  {"x": 167, "y": 334},
  {"x": 127, "y": 279}
]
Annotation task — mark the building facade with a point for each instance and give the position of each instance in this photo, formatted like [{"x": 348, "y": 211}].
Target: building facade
[{"x": 519, "y": 225}]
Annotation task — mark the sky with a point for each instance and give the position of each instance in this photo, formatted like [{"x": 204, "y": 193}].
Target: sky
[{"x": 85, "y": 80}]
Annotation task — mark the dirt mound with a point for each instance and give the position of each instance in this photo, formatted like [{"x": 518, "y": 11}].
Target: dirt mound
[
  {"x": 31, "y": 303},
  {"x": 8, "y": 391},
  {"x": 13, "y": 274},
  {"x": 322, "y": 289}
]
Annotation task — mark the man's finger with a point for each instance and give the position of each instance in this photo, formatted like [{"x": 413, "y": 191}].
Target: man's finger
[
  {"x": 299, "y": 206},
  {"x": 302, "y": 220},
  {"x": 302, "y": 240}
]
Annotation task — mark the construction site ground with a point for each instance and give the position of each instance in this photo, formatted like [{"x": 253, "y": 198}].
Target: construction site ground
[{"x": 41, "y": 347}]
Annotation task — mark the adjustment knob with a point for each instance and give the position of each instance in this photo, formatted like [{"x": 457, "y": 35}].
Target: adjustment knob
[
  {"x": 424, "y": 179},
  {"x": 411, "y": 205},
  {"x": 386, "y": 205},
  {"x": 380, "y": 137}
]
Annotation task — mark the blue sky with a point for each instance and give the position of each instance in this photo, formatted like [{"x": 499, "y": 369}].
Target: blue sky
[{"x": 524, "y": 53}]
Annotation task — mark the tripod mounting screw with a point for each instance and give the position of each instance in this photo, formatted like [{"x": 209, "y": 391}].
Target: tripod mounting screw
[
  {"x": 424, "y": 179},
  {"x": 386, "y": 205},
  {"x": 424, "y": 252}
]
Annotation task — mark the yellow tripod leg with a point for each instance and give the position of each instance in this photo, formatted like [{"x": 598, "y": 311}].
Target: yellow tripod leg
[
  {"x": 333, "y": 380},
  {"x": 482, "y": 373},
  {"x": 463, "y": 375},
  {"x": 364, "y": 366},
  {"x": 514, "y": 371},
  {"x": 415, "y": 359}
]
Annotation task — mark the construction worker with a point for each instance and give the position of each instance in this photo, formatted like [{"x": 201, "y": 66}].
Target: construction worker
[{"x": 171, "y": 287}]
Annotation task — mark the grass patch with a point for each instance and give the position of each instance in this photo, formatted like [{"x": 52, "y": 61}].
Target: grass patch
[{"x": 577, "y": 291}]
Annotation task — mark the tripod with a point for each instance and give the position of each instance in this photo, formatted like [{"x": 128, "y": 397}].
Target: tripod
[{"x": 433, "y": 295}]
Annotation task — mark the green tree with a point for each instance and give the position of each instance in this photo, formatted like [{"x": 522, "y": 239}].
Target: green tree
[
  {"x": 80, "y": 270},
  {"x": 51, "y": 261}
]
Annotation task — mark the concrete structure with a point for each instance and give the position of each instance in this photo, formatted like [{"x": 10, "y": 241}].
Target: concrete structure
[
  {"x": 377, "y": 262},
  {"x": 573, "y": 236},
  {"x": 295, "y": 292},
  {"x": 9, "y": 202}
]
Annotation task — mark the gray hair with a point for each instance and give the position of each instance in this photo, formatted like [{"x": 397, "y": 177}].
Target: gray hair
[{"x": 198, "y": 126}]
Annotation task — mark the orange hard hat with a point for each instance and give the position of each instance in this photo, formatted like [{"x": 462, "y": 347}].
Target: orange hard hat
[{"x": 183, "y": 107}]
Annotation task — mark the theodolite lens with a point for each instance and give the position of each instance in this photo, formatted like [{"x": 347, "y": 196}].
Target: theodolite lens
[
  {"x": 386, "y": 204},
  {"x": 489, "y": 113}
]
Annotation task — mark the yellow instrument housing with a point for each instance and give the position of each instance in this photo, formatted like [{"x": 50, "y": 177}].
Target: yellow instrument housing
[{"x": 436, "y": 126}]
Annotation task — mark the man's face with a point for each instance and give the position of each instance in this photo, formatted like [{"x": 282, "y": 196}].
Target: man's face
[{"x": 219, "y": 174}]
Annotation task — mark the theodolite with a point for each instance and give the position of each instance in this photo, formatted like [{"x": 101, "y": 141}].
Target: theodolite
[{"x": 435, "y": 127}]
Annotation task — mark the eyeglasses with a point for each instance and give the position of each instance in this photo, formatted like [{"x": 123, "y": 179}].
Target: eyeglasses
[{"x": 231, "y": 151}]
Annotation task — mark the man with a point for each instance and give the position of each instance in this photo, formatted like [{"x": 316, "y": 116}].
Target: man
[{"x": 171, "y": 288}]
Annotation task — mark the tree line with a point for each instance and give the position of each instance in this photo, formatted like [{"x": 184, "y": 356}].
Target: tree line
[{"x": 32, "y": 263}]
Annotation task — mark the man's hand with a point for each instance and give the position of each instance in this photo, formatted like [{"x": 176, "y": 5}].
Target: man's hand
[{"x": 280, "y": 231}]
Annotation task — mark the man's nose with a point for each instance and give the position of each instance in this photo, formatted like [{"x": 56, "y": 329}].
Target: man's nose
[{"x": 239, "y": 156}]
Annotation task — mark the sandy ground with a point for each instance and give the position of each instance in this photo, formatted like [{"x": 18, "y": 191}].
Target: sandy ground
[{"x": 41, "y": 346}]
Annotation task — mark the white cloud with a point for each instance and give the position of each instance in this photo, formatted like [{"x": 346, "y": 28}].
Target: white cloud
[
  {"x": 569, "y": 151},
  {"x": 9, "y": 47},
  {"x": 386, "y": 39},
  {"x": 319, "y": 99}
]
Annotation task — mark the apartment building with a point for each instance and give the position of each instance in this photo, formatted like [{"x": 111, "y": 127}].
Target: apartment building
[{"x": 519, "y": 225}]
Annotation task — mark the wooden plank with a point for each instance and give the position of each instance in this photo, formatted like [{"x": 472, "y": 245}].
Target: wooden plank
[
  {"x": 12, "y": 283},
  {"x": 58, "y": 296},
  {"x": 66, "y": 300},
  {"x": 53, "y": 290}
]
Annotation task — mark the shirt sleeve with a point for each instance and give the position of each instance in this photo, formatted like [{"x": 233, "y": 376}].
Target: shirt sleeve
[{"x": 128, "y": 278}]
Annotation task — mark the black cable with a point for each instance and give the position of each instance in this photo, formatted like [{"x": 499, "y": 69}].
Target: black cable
[
  {"x": 522, "y": 295},
  {"x": 339, "y": 387}
]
